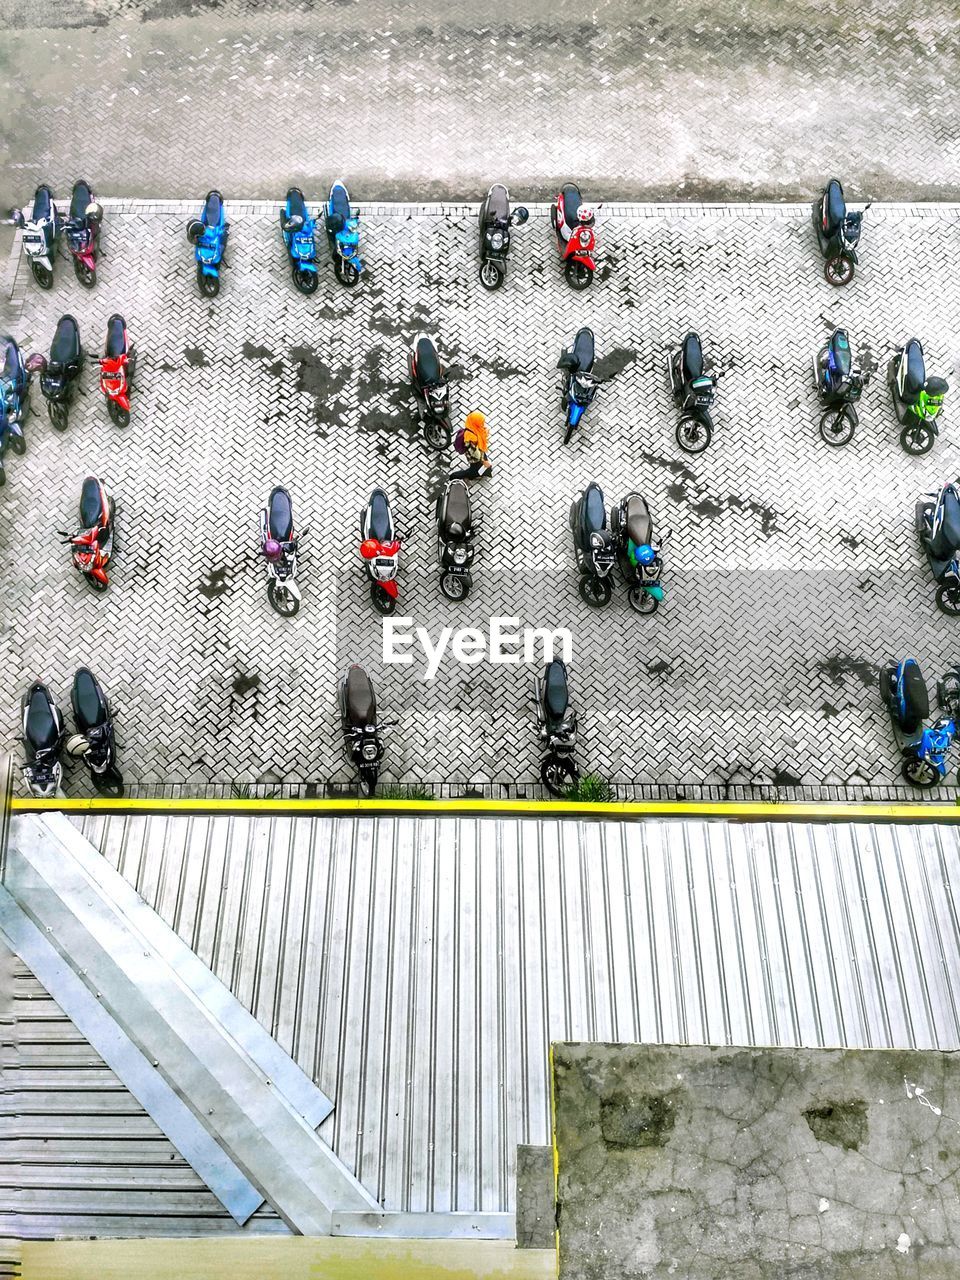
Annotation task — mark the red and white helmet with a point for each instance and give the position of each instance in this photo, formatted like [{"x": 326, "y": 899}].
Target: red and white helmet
[{"x": 586, "y": 215}]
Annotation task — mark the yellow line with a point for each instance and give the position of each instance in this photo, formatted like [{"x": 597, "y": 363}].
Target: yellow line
[{"x": 744, "y": 810}]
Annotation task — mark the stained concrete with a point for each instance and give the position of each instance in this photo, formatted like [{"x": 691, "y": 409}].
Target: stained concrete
[
  {"x": 757, "y": 1164},
  {"x": 536, "y": 1203}
]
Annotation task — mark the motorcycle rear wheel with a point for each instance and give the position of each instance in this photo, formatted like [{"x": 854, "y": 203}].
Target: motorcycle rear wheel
[
  {"x": 948, "y": 601},
  {"x": 59, "y": 414},
  {"x": 919, "y": 773},
  {"x": 281, "y": 600},
  {"x": 917, "y": 438},
  {"x": 579, "y": 276},
  {"x": 86, "y": 275},
  {"x": 558, "y": 774},
  {"x": 437, "y": 433},
  {"x": 305, "y": 281},
  {"x": 595, "y": 592},
  {"x": 43, "y": 275},
  {"x": 836, "y": 427},
  {"x": 346, "y": 272},
  {"x": 693, "y": 436},
  {"x": 455, "y": 586},
  {"x": 118, "y": 416},
  {"x": 109, "y": 783},
  {"x": 208, "y": 285},
  {"x": 491, "y": 276},
  {"x": 381, "y": 600},
  {"x": 642, "y": 601},
  {"x": 18, "y": 445},
  {"x": 838, "y": 271}
]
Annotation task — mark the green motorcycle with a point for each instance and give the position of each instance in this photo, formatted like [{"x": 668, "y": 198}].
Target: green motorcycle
[{"x": 917, "y": 399}]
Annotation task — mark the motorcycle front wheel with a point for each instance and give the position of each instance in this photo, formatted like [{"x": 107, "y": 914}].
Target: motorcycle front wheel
[
  {"x": 836, "y": 427},
  {"x": 346, "y": 272},
  {"x": 208, "y": 285},
  {"x": 96, "y": 584},
  {"x": 18, "y": 444},
  {"x": 558, "y": 774},
  {"x": 839, "y": 270},
  {"x": 305, "y": 281},
  {"x": 281, "y": 600},
  {"x": 595, "y": 592},
  {"x": 948, "y": 601},
  {"x": 916, "y": 438},
  {"x": 368, "y": 783},
  {"x": 59, "y": 414},
  {"x": 920, "y": 773},
  {"x": 579, "y": 276},
  {"x": 382, "y": 601},
  {"x": 693, "y": 436},
  {"x": 118, "y": 416},
  {"x": 455, "y": 586},
  {"x": 86, "y": 275},
  {"x": 437, "y": 433},
  {"x": 642, "y": 601},
  {"x": 491, "y": 276},
  {"x": 43, "y": 275}
]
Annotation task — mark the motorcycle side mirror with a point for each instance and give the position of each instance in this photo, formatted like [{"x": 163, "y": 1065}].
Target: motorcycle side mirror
[
  {"x": 519, "y": 215},
  {"x": 303, "y": 532},
  {"x": 665, "y": 537},
  {"x": 16, "y": 217}
]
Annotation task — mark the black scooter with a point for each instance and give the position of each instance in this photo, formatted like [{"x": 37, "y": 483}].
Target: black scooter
[
  {"x": 694, "y": 390},
  {"x": 638, "y": 552},
  {"x": 43, "y": 733},
  {"x": 579, "y": 385},
  {"x": 839, "y": 381},
  {"x": 455, "y": 549},
  {"x": 61, "y": 370},
  {"x": 495, "y": 223},
  {"x": 361, "y": 732},
  {"x": 557, "y": 728},
  {"x": 937, "y": 521},
  {"x": 593, "y": 546},
  {"x": 94, "y": 740},
  {"x": 431, "y": 391},
  {"x": 838, "y": 233}
]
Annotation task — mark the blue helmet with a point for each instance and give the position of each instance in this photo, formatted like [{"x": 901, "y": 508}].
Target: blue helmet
[{"x": 645, "y": 554}]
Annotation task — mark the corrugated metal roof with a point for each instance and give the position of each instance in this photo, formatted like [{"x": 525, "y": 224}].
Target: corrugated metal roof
[{"x": 417, "y": 969}]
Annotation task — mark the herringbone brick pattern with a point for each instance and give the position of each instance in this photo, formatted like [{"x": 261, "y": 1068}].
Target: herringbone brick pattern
[{"x": 792, "y": 573}]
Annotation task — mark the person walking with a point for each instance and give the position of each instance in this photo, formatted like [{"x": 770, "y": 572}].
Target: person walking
[{"x": 473, "y": 440}]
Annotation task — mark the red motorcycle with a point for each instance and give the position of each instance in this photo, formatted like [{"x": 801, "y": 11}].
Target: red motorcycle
[
  {"x": 573, "y": 223},
  {"x": 117, "y": 366},
  {"x": 82, "y": 231},
  {"x": 93, "y": 544}
]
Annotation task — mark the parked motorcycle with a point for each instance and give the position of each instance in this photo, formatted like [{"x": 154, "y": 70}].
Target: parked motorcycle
[
  {"x": 937, "y": 519},
  {"x": 208, "y": 235},
  {"x": 840, "y": 382},
  {"x": 278, "y": 546},
  {"x": 117, "y": 368},
  {"x": 40, "y": 233},
  {"x": 578, "y": 384},
  {"x": 43, "y": 731},
  {"x": 455, "y": 549},
  {"x": 495, "y": 223},
  {"x": 14, "y": 397},
  {"x": 639, "y": 553},
  {"x": 557, "y": 728},
  {"x": 380, "y": 550},
  {"x": 361, "y": 732},
  {"x": 431, "y": 391},
  {"x": 92, "y": 544},
  {"x": 299, "y": 232},
  {"x": 924, "y": 750},
  {"x": 59, "y": 373},
  {"x": 343, "y": 235},
  {"x": 593, "y": 546},
  {"x": 94, "y": 740},
  {"x": 573, "y": 224},
  {"x": 694, "y": 390},
  {"x": 917, "y": 399},
  {"x": 904, "y": 693},
  {"x": 83, "y": 231},
  {"x": 838, "y": 233}
]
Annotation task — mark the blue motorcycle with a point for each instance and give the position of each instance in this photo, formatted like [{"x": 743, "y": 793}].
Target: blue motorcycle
[
  {"x": 14, "y": 393},
  {"x": 924, "y": 749},
  {"x": 298, "y": 230},
  {"x": 343, "y": 235},
  {"x": 208, "y": 234},
  {"x": 579, "y": 385}
]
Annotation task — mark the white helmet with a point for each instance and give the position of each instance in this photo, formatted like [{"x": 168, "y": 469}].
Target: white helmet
[{"x": 586, "y": 214}]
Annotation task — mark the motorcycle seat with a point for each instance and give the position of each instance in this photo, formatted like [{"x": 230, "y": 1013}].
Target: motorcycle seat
[
  {"x": 692, "y": 357},
  {"x": 87, "y": 700},
  {"x": 835, "y": 205},
  {"x": 361, "y": 701},
  {"x": 212, "y": 209},
  {"x": 427, "y": 363},
  {"x": 41, "y": 728},
  {"x": 916, "y": 370},
  {"x": 82, "y": 196},
  {"x": 42, "y": 204},
  {"x": 116, "y": 337},
  {"x": 638, "y": 520},
  {"x": 380, "y": 524},
  {"x": 296, "y": 205},
  {"x": 65, "y": 348},
  {"x": 593, "y": 513},
  {"x": 340, "y": 201},
  {"x": 571, "y": 200},
  {"x": 498, "y": 204},
  {"x": 555, "y": 692},
  {"x": 457, "y": 517},
  {"x": 584, "y": 350},
  {"x": 280, "y": 515},
  {"x": 915, "y": 697},
  {"x": 91, "y": 508}
]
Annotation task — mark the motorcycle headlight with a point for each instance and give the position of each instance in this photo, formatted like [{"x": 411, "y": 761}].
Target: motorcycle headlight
[
  {"x": 459, "y": 555},
  {"x": 496, "y": 240},
  {"x": 584, "y": 237},
  {"x": 369, "y": 751}
]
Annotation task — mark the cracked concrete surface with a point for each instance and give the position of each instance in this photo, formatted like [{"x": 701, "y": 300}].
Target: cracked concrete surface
[{"x": 757, "y": 1164}]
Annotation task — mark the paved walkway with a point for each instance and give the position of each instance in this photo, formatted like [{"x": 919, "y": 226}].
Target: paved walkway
[
  {"x": 791, "y": 577},
  {"x": 435, "y": 99}
]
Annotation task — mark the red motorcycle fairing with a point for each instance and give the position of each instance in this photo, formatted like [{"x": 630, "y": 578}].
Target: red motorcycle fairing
[
  {"x": 88, "y": 557},
  {"x": 581, "y": 246},
  {"x": 113, "y": 380},
  {"x": 390, "y": 587}
]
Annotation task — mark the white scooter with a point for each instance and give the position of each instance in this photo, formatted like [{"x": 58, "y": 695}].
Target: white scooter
[{"x": 40, "y": 233}]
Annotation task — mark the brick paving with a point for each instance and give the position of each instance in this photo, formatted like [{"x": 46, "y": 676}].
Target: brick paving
[{"x": 791, "y": 576}]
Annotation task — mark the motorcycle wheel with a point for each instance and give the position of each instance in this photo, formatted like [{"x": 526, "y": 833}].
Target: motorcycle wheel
[
  {"x": 58, "y": 414},
  {"x": 948, "y": 601},
  {"x": 3, "y": 476},
  {"x": 839, "y": 270},
  {"x": 836, "y": 427},
  {"x": 281, "y": 601},
  {"x": 119, "y": 417},
  {"x": 578, "y": 275},
  {"x": 595, "y": 592},
  {"x": 96, "y": 584},
  {"x": 109, "y": 783},
  {"x": 558, "y": 774},
  {"x": 306, "y": 281},
  {"x": 455, "y": 586},
  {"x": 919, "y": 773},
  {"x": 438, "y": 434},
  {"x": 491, "y": 276},
  {"x": 43, "y": 275},
  {"x": 642, "y": 601},
  {"x": 916, "y": 438},
  {"x": 86, "y": 275},
  {"x": 208, "y": 285},
  {"x": 18, "y": 444},
  {"x": 382, "y": 601},
  {"x": 693, "y": 436},
  {"x": 368, "y": 784},
  {"x": 346, "y": 273}
]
